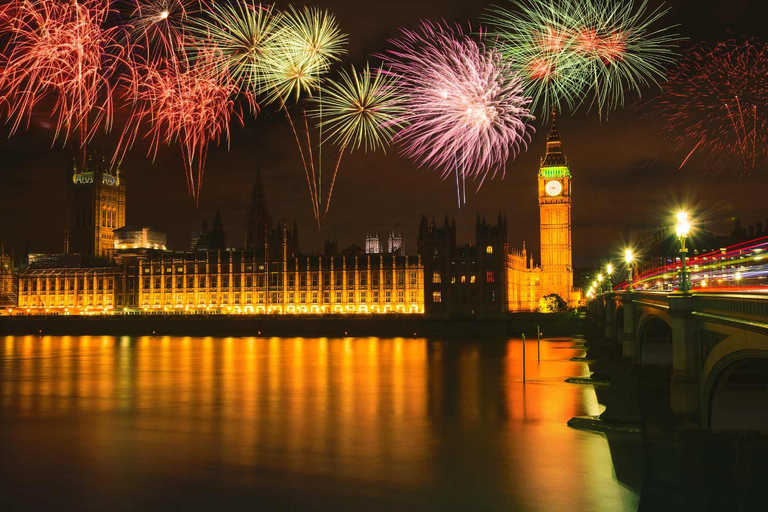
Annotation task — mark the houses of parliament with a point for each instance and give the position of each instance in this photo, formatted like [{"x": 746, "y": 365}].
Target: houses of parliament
[{"x": 111, "y": 268}]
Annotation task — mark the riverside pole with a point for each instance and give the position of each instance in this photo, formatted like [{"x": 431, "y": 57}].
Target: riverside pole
[
  {"x": 523, "y": 357},
  {"x": 538, "y": 343}
]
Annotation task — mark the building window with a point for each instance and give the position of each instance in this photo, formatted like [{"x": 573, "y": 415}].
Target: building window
[
  {"x": 489, "y": 276},
  {"x": 363, "y": 279},
  {"x": 472, "y": 279},
  {"x": 436, "y": 277},
  {"x": 489, "y": 249},
  {"x": 413, "y": 277},
  {"x": 437, "y": 297},
  {"x": 463, "y": 279}
]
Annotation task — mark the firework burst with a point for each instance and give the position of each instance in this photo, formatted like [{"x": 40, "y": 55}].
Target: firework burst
[
  {"x": 576, "y": 51},
  {"x": 159, "y": 27},
  {"x": 191, "y": 102},
  {"x": 362, "y": 110},
  {"x": 307, "y": 41},
  {"x": 244, "y": 33},
  {"x": 466, "y": 112},
  {"x": 60, "y": 52},
  {"x": 715, "y": 102}
]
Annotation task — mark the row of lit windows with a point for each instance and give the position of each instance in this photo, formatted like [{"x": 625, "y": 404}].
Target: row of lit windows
[
  {"x": 277, "y": 297},
  {"x": 204, "y": 281},
  {"x": 437, "y": 278},
  {"x": 66, "y": 284},
  {"x": 311, "y": 276}
]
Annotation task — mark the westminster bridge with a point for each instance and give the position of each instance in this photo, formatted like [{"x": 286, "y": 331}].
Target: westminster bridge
[{"x": 710, "y": 349}]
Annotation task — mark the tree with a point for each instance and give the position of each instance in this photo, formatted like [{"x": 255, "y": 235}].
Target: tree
[{"x": 552, "y": 303}]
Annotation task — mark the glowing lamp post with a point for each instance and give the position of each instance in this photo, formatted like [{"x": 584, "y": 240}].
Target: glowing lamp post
[
  {"x": 600, "y": 282},
  {"x": 629, "y": 257},
  {"x": 682, "y": 229},
  {"x": 608, "y": 272}
]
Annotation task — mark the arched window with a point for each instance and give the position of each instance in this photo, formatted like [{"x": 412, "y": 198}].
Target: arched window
[{"x": 489, "y": 249}]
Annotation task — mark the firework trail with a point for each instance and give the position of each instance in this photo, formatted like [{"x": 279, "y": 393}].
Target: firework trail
[
  {"x": 465, "y": 112},
  {"x": 576, "y": 51},
  {"x": 191, "y": 102},
  {"x": 307, "y": 42},
  {"x": 61, "y": 52},
  {"x": 715, "y": 102},
  {"x": 362, "y": 110}
]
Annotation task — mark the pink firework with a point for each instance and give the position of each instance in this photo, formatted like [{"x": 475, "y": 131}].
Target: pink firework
[
  {"x": 59, "y": 53},
  {"x": 185, "y": 101},
  {"x": 466, "y": 111}
]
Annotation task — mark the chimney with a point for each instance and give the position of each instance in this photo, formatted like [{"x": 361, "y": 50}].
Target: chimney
[
  {"x": 759, "y": 227},
  {"x": 751, "y": 230}
]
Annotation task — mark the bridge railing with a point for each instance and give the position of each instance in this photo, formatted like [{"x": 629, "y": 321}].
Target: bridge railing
[{"x": 735, "y": 305}]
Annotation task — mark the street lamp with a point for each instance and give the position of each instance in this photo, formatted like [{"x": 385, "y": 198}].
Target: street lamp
[
  {"x": 600, "y": 282},
  {"x": 608, "y": 272},
  {"x": 628, "y": 257},
  {"x": 682, "y": 229}
]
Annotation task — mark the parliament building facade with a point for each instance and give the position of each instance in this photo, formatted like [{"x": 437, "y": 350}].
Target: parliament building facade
[{"x": 269, "y": 275}]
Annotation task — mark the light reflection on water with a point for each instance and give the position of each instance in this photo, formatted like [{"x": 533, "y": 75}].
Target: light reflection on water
[{"x": 311, "y": 423}]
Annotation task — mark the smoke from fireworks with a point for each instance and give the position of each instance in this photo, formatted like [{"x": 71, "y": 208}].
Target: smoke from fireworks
[
  {"x": 60, "y": 52},
  {"x": 715, "y": 102},
  {"x": 466, "y": 112},
  {"x": 569, "y": 51}
]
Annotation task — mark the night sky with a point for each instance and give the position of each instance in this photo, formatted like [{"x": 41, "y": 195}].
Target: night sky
[{"x": 626, "y": 177}]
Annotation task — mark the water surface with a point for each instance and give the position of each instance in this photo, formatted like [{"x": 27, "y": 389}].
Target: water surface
[{"x": 323, "y": 424}]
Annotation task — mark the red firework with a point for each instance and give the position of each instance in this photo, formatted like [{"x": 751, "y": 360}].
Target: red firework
[
  {"x": 187, "y": 101},
  {"x": 60, "y": 53},
  {"x": 716, "y": 101}
]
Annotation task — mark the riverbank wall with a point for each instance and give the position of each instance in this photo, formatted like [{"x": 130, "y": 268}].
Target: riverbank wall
[{"x": 512, "y": 325}]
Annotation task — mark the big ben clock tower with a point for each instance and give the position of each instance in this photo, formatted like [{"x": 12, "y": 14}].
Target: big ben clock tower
[{"x": 555, "y": 219}]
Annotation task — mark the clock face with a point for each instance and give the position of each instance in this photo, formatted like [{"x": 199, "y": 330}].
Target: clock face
[{"x": 554, "y": 188}]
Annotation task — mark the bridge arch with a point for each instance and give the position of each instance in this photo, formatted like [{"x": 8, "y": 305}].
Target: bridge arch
[
  {"x": 735, "y": 391},
  {"x": 655, "y": 341}
]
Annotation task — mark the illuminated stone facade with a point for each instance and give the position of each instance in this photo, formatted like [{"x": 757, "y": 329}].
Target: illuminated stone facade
[
  {"x": 228, "y": 282},
  {"x": 95, "y": 206},
  {"x": 270, "y": 275},
  {"x": 555, "y": 221}
]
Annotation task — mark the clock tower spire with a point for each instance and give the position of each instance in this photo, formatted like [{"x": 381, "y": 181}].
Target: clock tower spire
[{"x": 555, "y": 218}]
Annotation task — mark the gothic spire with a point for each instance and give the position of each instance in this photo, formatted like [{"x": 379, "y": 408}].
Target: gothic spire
[{"x": 554, "y": 156}]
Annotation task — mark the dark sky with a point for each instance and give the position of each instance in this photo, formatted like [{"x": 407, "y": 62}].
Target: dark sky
[{"x": 625, "y": 176}]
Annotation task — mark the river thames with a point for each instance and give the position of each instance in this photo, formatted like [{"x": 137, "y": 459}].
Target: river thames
[{"x": 323, "y": 424}]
